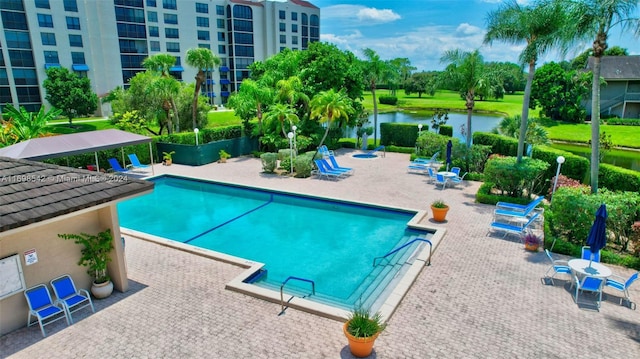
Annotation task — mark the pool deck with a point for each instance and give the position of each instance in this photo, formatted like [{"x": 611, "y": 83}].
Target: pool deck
[{"x": 482, "y": 296}]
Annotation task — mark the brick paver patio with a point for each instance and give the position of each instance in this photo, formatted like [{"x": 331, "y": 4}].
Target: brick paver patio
[{"x": 482, "y": 297}]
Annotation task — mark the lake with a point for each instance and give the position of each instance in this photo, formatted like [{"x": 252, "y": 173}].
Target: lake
[
  {"x": 620, "y": 158},
  {"x": 479, "y": 123}
]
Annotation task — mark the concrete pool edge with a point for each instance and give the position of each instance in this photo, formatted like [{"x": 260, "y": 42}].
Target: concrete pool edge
[{"x": 236, "y": 284}]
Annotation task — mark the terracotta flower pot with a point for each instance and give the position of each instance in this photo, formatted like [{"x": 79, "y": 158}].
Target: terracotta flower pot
[
  {"x": 439, "y": 214},
  {"x": 533, "y": 247},
  {"x": 360, "y": 347}
]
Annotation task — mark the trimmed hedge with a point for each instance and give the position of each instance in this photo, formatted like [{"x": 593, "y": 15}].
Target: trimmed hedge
[
  {"x": 269, "y": 162},
  {"x": 446, "y": 130},
  {"x": 205, "y": 135},
  {"x": 499, "y": 144},
  {"x": 398, "y": 134},
  {"x": 618, "y": 178},
  {"x": 388, "y": 100},
  {"x": 623, "y": 122},
  {"x": 485, "y": 196}
]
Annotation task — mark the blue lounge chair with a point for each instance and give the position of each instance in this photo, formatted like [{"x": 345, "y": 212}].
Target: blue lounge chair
[
  {"x": 71, "y": 299},
  {"x": 43, "y": 308},
  {"x": 322, "y": 171},
  {"x": 432, "y": 174},
  {"x": 516, "y": 210},
  {"x": 135, "y": 162},
  {"x": 379, "y": 148},
  {"x": 115, "y": 165},
  {"x": 514, "y": 228},
  {"x": 330, "y": 168},
  {"x": 336, "y": 166},
  {"x": 324, "y": 151},
  {"x": 457, "y": 179}
]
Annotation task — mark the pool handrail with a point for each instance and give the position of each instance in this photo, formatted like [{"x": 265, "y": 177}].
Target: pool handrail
[
  {"x": 405, "y": 245},
  {"x": 313, "y": 289},
  {"x": 381, "y": 147}
]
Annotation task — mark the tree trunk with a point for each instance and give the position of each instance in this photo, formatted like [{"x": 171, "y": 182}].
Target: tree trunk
[
  {"x": 175, "y": 114},
  {"x": 375, "y": 115},
  {"x": 470, "y": 104},
  {"x": 595, "y": 124},
  {"x": 525, "y": 110},
  {"x": 324, "y": 137},
  {"x": 199, "y": 80}
]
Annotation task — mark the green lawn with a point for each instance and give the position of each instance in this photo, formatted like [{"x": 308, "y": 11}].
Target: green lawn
[
  {"x": 621, "y": 136},
  {"x": 63, "y": 127},
  {"x": 222, "y": 118}
]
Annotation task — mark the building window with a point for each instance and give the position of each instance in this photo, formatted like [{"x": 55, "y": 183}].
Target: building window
[
  {"x": 133, "y": 15},
  {"x": 204, "y": 35},
  {"x": 51, "y": 57},
  {"x": 152, "y": 16},
  {"x": 48, "y": 38},
  {"x": 202, "y": 21},
  {"x": 202, "y": 8},
  {"x": 14, "y": 20},
  {"x": 283, "y": 39},
  {"x": 294, "y": 16},
  {"x": 17, "y": 39},
  {"x": 220, "y": 10},
  {"x": 151, "y": 3},
  {"x": 204, "y": 46},
  {"x": 282, "y": 15},
  {"x": 315, "y": 20},
  {"x": 42, "y": 4},
  {"x": 70, "y": 5},
  {"x": 283, "y": 27},
  {"x": 45, "y": 20},
  {"x": 173, "y": 47},
  {"x": 294, "y": 40},
  {"x": 171, "y": 33},
  {"x": 222, "y": 49},
  {"x": 305, "y": 19},
  {"x": 242, "y": 12},
  {"x": 155, "y": 45},
  {"x": 294, "y": 27},
  {"x": 21, "y": 58},
  {"x": 220, "y": 23},
  {"x": 171, "y": 19},
  {"x": 221, "y": 36},
  {"x": 169, "y": 4},
  {"x": 75, "y": 40},
  {"x": 77, "y": 58},
  {"x": 153, "y": 31},
  {"x": 241, "y": 38},
  {"x": 73, "y": 23}
]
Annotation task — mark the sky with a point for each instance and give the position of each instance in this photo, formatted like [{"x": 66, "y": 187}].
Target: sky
[{"x": 422, "y": 30}]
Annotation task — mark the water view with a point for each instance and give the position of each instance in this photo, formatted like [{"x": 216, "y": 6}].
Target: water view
[{"x": 620, "y": 158}]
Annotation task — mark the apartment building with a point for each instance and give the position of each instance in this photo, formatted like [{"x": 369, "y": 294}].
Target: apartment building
[{"x": 107, "y": 40}]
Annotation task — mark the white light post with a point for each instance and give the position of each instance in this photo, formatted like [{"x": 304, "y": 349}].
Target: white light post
[
  {"x": 195, "y": 130},
  {"x": 419, "y": 129},
  {"x": 295, "y": 139},
  {"x": 290, "y": 135},
  {"x": 560, "y": 161}
]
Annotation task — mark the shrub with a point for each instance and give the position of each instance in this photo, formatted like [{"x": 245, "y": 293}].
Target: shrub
[
  {"x": 618, "y": 179},
  {"x": 574, "y": 166},
  {"x": 388, "y": 100},
  {"x": 429, "y": 143},
  {"x": 303, "y": 167},
  {"x": 446, "y": 130},
  {"x": 485, "y": 196},
  {"x": 499, "y": 144},
  {"x": 515, "y": 179},
  {"x": 623, "y": 121},
  {"x": 477, "y": 156},
  {"x": 564, "y": 181},
  {"x": 399, "y": 134},
  {"x": 284, "y": 154},
  {"x": 269, "y": 162}
]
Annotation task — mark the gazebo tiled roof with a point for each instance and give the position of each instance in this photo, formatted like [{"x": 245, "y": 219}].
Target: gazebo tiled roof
[{"x": 32, "y": 192}]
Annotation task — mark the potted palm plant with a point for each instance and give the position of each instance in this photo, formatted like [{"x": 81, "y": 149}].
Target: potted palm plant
[
  {"x": 361, "y": 329},
  {"x": 223, "y": 156},
  {"x": 167, "y": 158},
  {"x": 439, "y": 210},
  {"x": 95, "y": 255}
]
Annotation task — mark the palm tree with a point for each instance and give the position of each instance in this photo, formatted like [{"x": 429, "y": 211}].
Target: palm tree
[
  {"x": 290, "y": 91},
  {"x": 538, "y": 26},
  {"x": 465, "y": 73},
  {"x": 160, "y": 63},
  {"x": 374, "y": 70},
  {"x": 202, "y": 59},
  {"x": 23, "y": 125},
  {"x": 591, "y": 20},
  {"x": 328, "y": 106},
  {"x": 251, "y": 99},
  {"x": 281, "y": 112},
  {"x": 165, "y": 87}
]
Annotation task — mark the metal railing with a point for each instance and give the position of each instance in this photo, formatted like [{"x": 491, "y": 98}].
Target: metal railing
[
  {"x": 313, "y": 288},
  {"x": 406, "y": 245}
]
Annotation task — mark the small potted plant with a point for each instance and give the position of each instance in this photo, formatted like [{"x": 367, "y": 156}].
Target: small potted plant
[
  {"x": 95, "y": 255},
  {"x": 361, "y": 329},
  {"x": 439, "y": 210},
  {"x": 532, "y": 242},
  {"x": 223, "y": 156},
  {"x": 167, "y": 160}
]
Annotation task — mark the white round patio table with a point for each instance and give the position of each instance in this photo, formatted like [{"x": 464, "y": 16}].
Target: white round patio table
[{"x": 596, "y": 269}]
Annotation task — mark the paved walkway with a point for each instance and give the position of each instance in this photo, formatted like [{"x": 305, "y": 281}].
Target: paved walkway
[{"x": 482, "y": 297}]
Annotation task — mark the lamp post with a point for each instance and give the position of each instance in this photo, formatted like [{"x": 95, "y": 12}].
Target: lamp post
[
  {"x": 295, "y": 139},
  {"x": 560, "y": 161},
  {"x": 419, "y": 129},
  {"x": 195, "y": 130},
  {"x": 290, "y": 135}
]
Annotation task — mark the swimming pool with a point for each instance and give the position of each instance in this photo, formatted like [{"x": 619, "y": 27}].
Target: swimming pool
[{"x": 332, "y": 243}]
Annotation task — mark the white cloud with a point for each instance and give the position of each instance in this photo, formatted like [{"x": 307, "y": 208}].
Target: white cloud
[
  {"x": 343, "y": 40},
  {"x": 360, "y": 15}
]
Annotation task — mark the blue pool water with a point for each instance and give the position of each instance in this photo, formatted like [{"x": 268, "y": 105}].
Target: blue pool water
[{"x": 329, "y": 242}]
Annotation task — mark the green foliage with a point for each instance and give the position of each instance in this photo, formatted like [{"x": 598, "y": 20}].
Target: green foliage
[
  {"x": 223, "y": 154},
  {"x": 70, "y": 93},
  {"x": 302, "y": 165},
  {"x": 560, "y": 93},
  {"x": 446, "y": 130},
  {"x": 285, "y": 153},
  {"x": 472, "y": 160},
  {"x": 398, "y": 134},
  {"x": 167, "y": 156},
  {"x": 206, "y": 135},
  {"x": 422, "y": 82},
  {"x": 515, "y": 179},
  {"x": 574, "y": 166},
  {"x": 388, "y": 100},
  {"x": 623, "y": 122},
  {"x": 130, "y": 121},
  {"x": 184, "y": 102},
  {"x": 269, "y": 162},
  {"x": 429, "y": 143},
  {"x": 22, "y": 125},
  {"x": 362, "y": 324},
  {"x": 618, "y": 179},
  {"x": 439, "y": 204},
  {"x": 535, "y": 135},
  {"x": 499, "y": 144},
  {"x": 285, "y": 164},
  {"x": 439, "y": 118},
  {"x": 95, "y": 252}
]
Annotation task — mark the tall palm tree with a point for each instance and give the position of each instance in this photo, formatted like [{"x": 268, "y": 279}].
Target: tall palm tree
[
  {"x": 290, "y": 91},
  {"x": 374, "y": 71},
  {"x": 538, "y": 26},
  {"x": 165, "y": 87},
  {"x": 281, "y": 112},
  {"x": 465, "y": 73},
  {"x": 591, "y": 20},
  {"x": 251, "y": 98},
  {"x": 328, "y": 106},
  {"x": 202, "y": 59}
]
